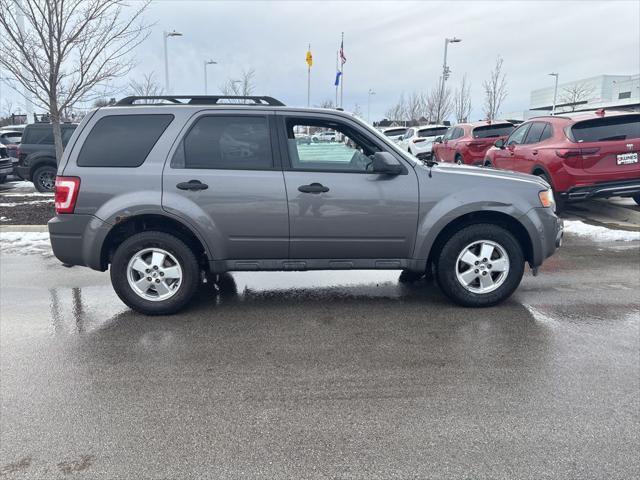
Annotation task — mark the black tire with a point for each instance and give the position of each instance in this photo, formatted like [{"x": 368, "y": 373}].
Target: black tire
[
  {"x": 3, "y": 178},
  {"x": 487, "y": 163},
  {"x": 409, "y": 276},
  {"x": 44, "y": 178},
  {"x": 559, "y": 201},
  {"x": 636, "y": 198},
  {"x": 458, "y": 159},
  {"x": 176, "y": 247},
  {"x": 446, "y": 265}
]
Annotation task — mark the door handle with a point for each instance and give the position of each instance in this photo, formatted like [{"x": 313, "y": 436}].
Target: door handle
[
  {"x": 193, "y": 185},
  {"x": 313, "y": 188}
]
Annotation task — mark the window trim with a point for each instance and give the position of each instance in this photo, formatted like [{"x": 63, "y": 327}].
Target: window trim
[
  {"x": 287, "y": 166},
  {"x": 268, "y": 116}
]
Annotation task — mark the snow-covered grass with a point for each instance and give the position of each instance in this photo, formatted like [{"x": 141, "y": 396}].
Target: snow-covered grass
[
  {"x": 27, "y": 243},
  {"x": 30, "y": 202},
  {"x": 599, "y": 234}
]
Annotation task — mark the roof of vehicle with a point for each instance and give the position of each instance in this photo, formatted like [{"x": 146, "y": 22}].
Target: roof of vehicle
[
  {"x": 580, "y": 116},
  {"x": 48, "y": 125}
]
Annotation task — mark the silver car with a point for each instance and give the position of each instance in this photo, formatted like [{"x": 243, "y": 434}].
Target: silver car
[{"x": 164, "y": 195}]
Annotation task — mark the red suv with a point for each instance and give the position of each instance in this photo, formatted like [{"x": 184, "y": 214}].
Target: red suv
[
  {"x": 466, "y": 143},
  {"x": 581, "y": 155}
]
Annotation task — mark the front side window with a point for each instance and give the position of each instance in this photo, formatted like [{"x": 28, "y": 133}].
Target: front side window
[
  {"x": 226, "y": 142},
  {"x": 517, "y": 137},
  {"x": 449, "y": 134},
  {"x": 535, "y": 132},
  {"x": 458, "y": 133},
  {"x": 121, "y": 140},
  {"x": 408, "y": 135},
  {"x": 350, "y": 152}
]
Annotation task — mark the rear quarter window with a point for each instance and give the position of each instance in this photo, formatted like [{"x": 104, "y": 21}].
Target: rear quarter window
[
  {"x": 122, "y": 140},
  {"x": 605, "y": 129}
]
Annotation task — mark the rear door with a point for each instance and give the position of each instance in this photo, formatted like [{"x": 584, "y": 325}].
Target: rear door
[
  {"x": 338, "y": 209},
  {"x": 225, "y": 176},
  {"x": 610, "y": 146}
]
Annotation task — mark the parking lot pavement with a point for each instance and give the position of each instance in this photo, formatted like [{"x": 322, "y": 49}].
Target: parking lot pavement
[{"x": 323, "y": 375}]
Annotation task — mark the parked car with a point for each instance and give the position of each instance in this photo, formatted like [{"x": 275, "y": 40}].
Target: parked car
[
  {"x": 581, "y": 155},
  {"x": 394, "y": 133},
  {"x": 11, "y": 139},
  {"x": 13, "y": 128},
  {"x": 326, "y": 136},
  {"x": 37, "y": 156},
  {"x": 169, "y": 203},
  {"x": 6, "y": 167},
  {"x": 467, "y": 143},
  {"x": 418, "y": 141}
]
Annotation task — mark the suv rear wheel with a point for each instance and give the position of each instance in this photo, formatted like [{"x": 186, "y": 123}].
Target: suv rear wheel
[
  {"x": 154, "y": 273},
  {"x": 636, "y": 198},
  {"x": 480, "y": 265},
  {"x": 44, "y": 178}
]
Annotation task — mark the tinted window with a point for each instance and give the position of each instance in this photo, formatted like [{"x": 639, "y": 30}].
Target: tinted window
[
  {"x": 493, "y": 131},
  {"x": 226, "y": 142},
  {"x": 535, "y": 132},
  {"x": 409, "y": 134},
  {"x": 449, "y": 134},
  {"x": 395, "y": 132},
  {"x": 39, "y": 135},
  {"x": 517, "y": 137},
  {"x": 457, "y": 133},
  {"x": 432, "y": 132},
  {"x": 547, "y": 132},
  {"x": 602, "y": 129},
  {"x": 122, "y": 140},
  {"x": 351, "y": 151}
]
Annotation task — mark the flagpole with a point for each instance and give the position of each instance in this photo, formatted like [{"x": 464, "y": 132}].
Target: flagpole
[
  {"x": 309, "y": 82},
  {"x": 337, "y": 70},
  {"x": 342, "y": 74}
]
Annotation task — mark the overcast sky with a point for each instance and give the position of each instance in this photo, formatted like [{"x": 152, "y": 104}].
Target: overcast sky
[{"x": 391, "y": 47}]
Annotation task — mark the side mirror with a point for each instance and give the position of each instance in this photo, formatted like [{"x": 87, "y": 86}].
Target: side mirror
[
  {"x": 387, "y": 164},
  {"x": 438, "y": 139},
  {"x": 499, "y": 143}
]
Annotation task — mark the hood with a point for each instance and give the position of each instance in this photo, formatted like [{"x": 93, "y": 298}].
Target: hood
[{"x": 488, "y": 173}]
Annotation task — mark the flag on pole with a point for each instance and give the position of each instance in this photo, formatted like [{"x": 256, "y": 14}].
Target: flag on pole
[
  {"x": 343, "y": 59},
  {"x": 338, "y": 75},
  {"x": 309, "y": 57}
]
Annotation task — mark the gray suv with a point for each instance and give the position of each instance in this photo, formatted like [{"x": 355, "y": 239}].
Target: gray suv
[{"x": 165, "y": 194}]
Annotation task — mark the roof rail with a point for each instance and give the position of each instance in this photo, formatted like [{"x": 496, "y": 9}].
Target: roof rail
[{"x": 200, "y": 100}]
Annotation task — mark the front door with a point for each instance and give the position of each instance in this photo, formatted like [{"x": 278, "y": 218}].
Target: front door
[
  {"x": 223, "y": 179},
  {"x": 338, "y": 209}
]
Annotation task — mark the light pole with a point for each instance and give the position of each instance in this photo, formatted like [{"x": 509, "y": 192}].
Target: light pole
[
  {"x": 445, "y": 74},
  {"x": 207, "y": 62},
  {"x": 369, "y": 93},
  {"x": 555, "y": 93},
  {"x": 166, "y": 35}
]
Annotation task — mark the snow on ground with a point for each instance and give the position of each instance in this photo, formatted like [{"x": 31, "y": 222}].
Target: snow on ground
[
  {"x": 30, "y": 202},
  {"x": 26, "y": 243},
  {"x": 599, "y": 234}
]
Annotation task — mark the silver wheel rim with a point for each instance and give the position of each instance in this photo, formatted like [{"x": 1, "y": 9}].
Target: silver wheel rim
[
  {"x": 482, "y": 266},
  {"x": 154, "y": 274},
  {"x": 47, "y": 180}
]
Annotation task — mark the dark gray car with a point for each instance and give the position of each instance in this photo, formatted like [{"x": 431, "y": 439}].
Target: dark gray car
[{"x": 168, "y": 194}]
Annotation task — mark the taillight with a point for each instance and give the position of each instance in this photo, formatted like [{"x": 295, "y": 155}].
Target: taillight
[
  {"x": 573, "y": 156},
  {"x": 66, "y": 189},
  {"x": 21, "y": 156}
]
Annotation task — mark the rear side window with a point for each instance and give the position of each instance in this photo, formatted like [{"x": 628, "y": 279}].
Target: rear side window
[
  {"x": 226, "y": 142},
  {"x": 603, "y": 129},
  {"x": 493, "y": 131},
  {"x": 122, "y": 140}
]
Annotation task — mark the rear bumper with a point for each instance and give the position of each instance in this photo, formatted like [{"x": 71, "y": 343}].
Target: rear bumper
[
  {"x": 77, "y": 239},
  {"x": 603, "y": 190}
]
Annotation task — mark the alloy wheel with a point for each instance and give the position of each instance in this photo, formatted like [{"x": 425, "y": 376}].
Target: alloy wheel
[
  {"x": 154, "y": 274},
  {"x": 482, "y": 266}
]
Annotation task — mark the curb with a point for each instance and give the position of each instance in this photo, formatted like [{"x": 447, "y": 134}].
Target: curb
[{"x": 23, "y": 228}]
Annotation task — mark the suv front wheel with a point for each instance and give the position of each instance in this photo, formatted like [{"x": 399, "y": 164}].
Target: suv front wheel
[
  {"x": 480, "y": 265},
  {"x": 154, "y": 273}
]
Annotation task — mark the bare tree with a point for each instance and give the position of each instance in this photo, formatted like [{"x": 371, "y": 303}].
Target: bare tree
[
  {"x": 328, "y": 103},
  {"x": 148, "y": 87},
  {"x": 6, "y": 109},
  {"x": 576, "y": 94},
  {"x": 398, "y": 111},
  {"x": 243, "y": 86},
  {"x": 438, "y": 104},
  {"x": 67, "y": 48},
  {"x": 414, "y": 106},
  {"x": 495, "y": 90},
  {"x": 462, "y": 101}
]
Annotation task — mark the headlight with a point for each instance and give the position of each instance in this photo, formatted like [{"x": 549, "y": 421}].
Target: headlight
[{"x": 546, "y": 198}]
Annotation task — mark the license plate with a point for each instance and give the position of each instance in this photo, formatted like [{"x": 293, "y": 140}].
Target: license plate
[{"x": 627, "y": 158}]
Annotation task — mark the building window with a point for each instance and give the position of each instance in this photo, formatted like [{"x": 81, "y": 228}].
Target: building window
[{"x": 622, "y": 95}]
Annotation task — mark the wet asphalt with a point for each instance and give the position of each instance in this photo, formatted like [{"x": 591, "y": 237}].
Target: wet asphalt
[{"x": 324, "y": 375}]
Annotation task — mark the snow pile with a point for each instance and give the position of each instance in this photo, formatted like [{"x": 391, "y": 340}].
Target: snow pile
[
  {"x": 25, "y": 243},
  {"x": 599, "y": 234}
]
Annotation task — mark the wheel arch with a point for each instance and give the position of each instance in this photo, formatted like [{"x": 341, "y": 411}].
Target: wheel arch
[
  {"x": 508, "y": 222},
  {"x": 42, "y": 160},
  {"x": 158, "y": 222}
]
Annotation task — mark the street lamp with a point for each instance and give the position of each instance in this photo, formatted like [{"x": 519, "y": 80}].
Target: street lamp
[
  {"x": 166, "y": 35},
  {"x": 207, "y": 62},
  {"x": 369, "y": 93},
  {"x": 555, "y": 93},
  {"x": 445, "y": 73}
]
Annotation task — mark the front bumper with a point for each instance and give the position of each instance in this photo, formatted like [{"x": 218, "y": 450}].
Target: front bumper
[
  {"x": 546, "y": 231},
  {"x": 603, "y": 190}
]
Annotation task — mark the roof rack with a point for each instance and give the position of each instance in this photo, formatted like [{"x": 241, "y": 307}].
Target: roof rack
[{"x": 201, "y": 100}]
